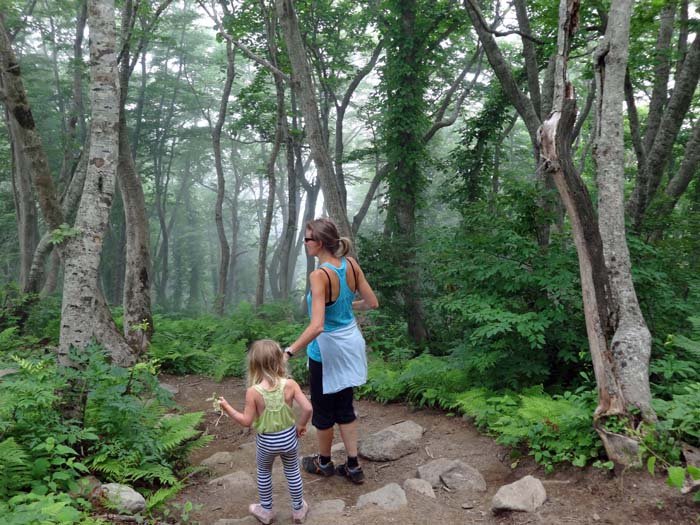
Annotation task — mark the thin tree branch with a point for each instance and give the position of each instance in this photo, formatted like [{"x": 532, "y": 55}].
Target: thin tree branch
[
  {"x": 246, "y": 51},
  {"x": 584, "y": 114},
  {"x": 486, "y": 27}
]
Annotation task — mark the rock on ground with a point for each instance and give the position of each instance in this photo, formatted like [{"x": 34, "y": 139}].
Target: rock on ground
[
  {"x": 391, "y": 443},
  {"x": 526, "y": 494},
  {"x": 220, "y": 458},
  {"x": 462, "y": 476},
  {"x": 237, "y": 481},
  {"x": 420, "y": 486},
  {"x": 389, "y": 497},
  {"x": 123, "y": 498},
  {"x": 454, "y": 473}
]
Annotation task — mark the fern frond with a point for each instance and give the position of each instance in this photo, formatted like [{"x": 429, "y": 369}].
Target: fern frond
[
  {"x": 15, "y": 471},
  {"x": 177, "y": 429},
  {"x": 162, "y": 495}
]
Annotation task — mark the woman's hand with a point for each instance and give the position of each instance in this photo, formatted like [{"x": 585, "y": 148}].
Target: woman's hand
[{"x": 301, "y": 430}]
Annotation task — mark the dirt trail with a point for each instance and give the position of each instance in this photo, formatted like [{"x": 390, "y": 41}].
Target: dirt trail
[{"x": 576, "y": 496}]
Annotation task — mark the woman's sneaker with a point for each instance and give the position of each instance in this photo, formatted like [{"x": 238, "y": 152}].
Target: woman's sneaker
[
  {"x": 312, "y": 464},
  {"x": 262, "y": 514},
  {"x": 299, "y": 516},
  {"x": 354, "y": 474}
]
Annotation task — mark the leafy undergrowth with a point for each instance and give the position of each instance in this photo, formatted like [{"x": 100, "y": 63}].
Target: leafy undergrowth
[
  {"x": 59, "y": 424},
  {"x": 216, "y": 346},
  {"x": 551, "y": 428}
]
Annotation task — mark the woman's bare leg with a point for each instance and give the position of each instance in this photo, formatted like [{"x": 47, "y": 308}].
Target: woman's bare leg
[
  {"x": 348, "y": 433},
  {"x": 325, "y": 440}
]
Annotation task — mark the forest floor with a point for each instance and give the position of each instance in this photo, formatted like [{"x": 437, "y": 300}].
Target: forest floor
[{"x": 579, "y": 496}]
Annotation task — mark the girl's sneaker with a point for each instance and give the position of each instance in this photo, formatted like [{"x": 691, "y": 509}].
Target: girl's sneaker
[
  {"x": 262, "y": 514},
  {"x": 299, "y": 516}
]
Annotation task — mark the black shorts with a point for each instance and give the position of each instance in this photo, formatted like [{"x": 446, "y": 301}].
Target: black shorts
[{"x": 329, "y": 409}]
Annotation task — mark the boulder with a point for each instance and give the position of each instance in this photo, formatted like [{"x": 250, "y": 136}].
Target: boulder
[
  {"x": 123, "y": 498},
  {"x": 389, "y": 497},
  {"x": 391, "y": 443},
  {"x": 526, "y": 494},
  {"x": 237, "y": 482},
  {"x": 220, "y": 458},
  {"x": 420, "y": 486},
  {"x": 459, "y": 475},
  {"x": 432, "y": 470}
]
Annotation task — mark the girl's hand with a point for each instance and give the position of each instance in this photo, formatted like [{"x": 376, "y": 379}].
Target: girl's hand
[{"x": 301, "y": 430}]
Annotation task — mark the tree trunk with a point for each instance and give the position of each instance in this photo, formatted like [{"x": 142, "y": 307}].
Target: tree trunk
[
  {"x": 303, "y": 84},
  {"x": 618, "y": 337},
  {"x": 28, "y": 138},
  {"x": 231, "y": 292},
  {"x": 269, "y": 208},
  {"x": 69, "y": 205},
  {"x": 631, "y": 341},
  {"x": 525, "y": 107},
  {"x": 136, "y": 298},
  {"x": 84, "y": 314},
  {"x": 25, "y": 205},
  {"x": 224, "y": 255},
  {"x": 406, "y": 79}
]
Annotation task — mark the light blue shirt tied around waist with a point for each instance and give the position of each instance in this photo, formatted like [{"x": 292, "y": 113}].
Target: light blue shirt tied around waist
[{"x": 344, "y": 358}]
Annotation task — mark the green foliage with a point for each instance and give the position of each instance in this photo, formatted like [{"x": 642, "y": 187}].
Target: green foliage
[
  {"x": 15, "y": 468},
  {"x": 63, "y": 232},
  {"x": 59, "y": 424},
  {"x": 552, "y": 429},
  {"x": 681, "y": 413},
  {"x": 46, "y": 509},
  {"x": 217, "y": 346}
]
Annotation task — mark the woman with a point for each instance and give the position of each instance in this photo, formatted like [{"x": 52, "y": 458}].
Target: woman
[{"x": 336, "y": 348}]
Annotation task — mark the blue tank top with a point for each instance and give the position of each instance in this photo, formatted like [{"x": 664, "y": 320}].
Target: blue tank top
[{"x": 338, "y": 314}]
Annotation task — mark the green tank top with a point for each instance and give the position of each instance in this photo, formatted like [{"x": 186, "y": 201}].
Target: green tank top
[{"x": 277, "y": 415}]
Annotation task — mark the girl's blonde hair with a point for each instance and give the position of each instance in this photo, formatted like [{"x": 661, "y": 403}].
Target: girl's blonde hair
[{"x": 266, "y": 361}]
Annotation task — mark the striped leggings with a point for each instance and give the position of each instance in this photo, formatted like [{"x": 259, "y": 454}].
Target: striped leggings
[{"x": 285, "y": 445}]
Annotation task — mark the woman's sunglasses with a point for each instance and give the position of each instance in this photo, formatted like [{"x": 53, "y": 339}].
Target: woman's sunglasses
[{"x": 309, "y": 239}]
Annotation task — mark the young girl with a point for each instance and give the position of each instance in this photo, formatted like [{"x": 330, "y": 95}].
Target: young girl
[{"x": 268, "y": 408}]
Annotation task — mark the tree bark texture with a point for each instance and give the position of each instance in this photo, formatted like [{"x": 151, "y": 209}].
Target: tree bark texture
[
  {"x": 25, "y": 205},
  {"x": 28, "y": 138},
  {"x": 618, "y": 337},
  {"x": 84, "y": 313},
  {"x": 303, "y": 83},
  {"x": 224, "y": 255},
  {"x": 69, "y": 205},
  {"x": 631, "y": 341},
  {"x": 136, "y": 296},
  {"x": 270, "y": 205},
  {"x": 556, "y": 152}
]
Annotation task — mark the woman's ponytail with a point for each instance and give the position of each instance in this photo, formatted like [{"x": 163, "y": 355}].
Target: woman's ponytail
[{"x": 344, "y": 247}]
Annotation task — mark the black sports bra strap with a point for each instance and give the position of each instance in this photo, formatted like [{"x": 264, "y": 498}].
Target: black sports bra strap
[
  {"x": 354, "y": 274},
  {"x": 330, "y": 286}
]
